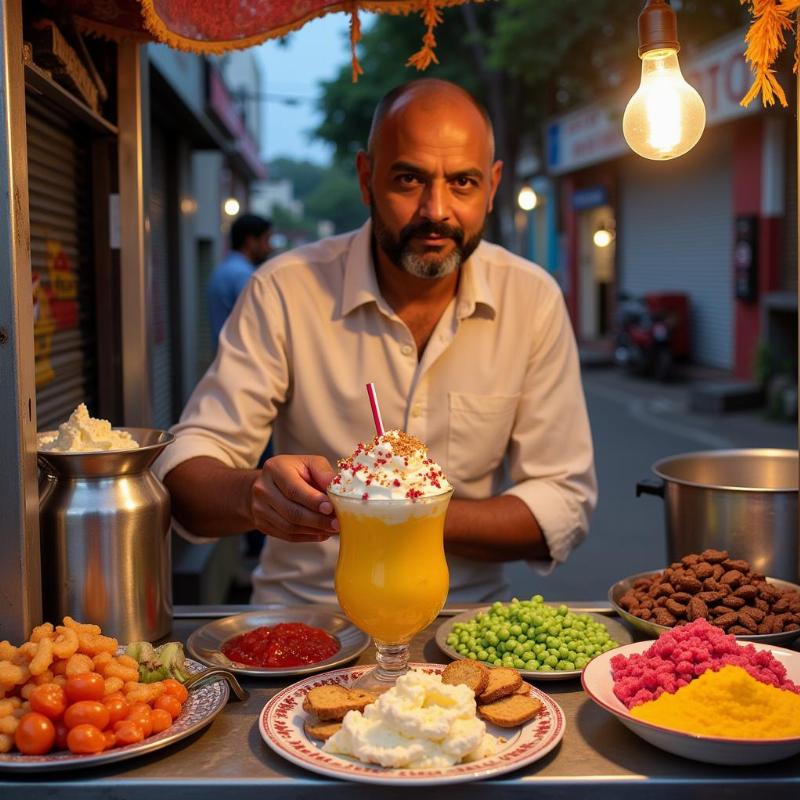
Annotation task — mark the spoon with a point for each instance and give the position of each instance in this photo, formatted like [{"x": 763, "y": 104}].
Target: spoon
[{"x": 216, "y": 674}]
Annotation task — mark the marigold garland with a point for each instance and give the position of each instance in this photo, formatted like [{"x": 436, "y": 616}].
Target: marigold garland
[{"x": 766, "y": 38}]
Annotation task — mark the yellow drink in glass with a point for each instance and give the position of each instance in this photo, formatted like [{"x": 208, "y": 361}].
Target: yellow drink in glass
[{"x": 391, "y": 576}]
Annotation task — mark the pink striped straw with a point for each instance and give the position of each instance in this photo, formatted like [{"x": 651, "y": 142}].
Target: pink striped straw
[{"x": 376, "y": 411}]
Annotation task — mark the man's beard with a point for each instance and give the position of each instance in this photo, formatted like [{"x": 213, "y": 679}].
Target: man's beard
[{"x": 424, "y": 265}]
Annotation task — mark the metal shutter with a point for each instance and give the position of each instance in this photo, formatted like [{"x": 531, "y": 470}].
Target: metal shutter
[
  {"x": 60, "y": 216},
  {"x": 160, "y": 323},
  {"x": 674, "y": 233}
]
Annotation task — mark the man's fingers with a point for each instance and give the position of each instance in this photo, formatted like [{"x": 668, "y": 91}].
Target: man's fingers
[
  {"x": 272, "y": 523},
  {"x": 293, "y": 486},
  {"x": 321, "y": 472}
]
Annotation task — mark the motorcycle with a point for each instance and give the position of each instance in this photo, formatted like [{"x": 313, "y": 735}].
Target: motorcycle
[{"x": 650, "y": 334}]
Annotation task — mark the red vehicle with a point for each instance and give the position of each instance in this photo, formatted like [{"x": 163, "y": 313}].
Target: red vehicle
[{"x": 652, "y": 333}]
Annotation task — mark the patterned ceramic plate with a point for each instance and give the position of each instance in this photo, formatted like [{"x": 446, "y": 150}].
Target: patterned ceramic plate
[
  {"x": 205, "y": 644},
  {"x": 281, "y": 726},
  {"x": 199, "y": 709}
]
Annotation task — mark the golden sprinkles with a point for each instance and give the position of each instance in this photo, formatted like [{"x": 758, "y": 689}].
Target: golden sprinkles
[{"x": 394, "y": 461}]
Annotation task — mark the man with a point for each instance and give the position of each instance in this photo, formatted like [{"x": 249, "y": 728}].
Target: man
[
  {"x": 249, "y": 248},
  {"x": 469, "y": 346}
]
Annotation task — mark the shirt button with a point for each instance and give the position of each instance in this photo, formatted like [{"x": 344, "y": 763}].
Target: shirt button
[
  {"x": 416, "y": 412},
  {"x": 406, "y": 349}
]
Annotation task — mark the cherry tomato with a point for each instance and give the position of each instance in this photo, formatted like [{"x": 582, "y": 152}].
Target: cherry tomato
[
  {"x": 140, "y": 713},
  {"x": 128, "y": 732},
  {"x": 111, "y": 739},
  {"x": 169, "y": 704},
  {"x": 161, "y": 720},
  {"x": 61, "y": 735},
  {"x": 48, "y": 699},
  {"x": 86, "y": 739},
  {"x": 87, "y": 686},
  {"x": 86, "y": 712},
  {"x": 35, "y": 734},
  {"x": 118, "y": 708},
  {"x": 175, "y": 689}
]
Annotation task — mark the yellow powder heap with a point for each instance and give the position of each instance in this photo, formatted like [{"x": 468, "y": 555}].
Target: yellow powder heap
[{"x": 729, "y": 703}]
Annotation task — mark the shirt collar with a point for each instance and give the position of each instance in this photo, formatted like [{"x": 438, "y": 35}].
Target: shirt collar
[{"x": 360, "y": 284}]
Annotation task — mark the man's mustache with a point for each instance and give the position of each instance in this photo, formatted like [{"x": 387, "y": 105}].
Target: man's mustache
[{"x": 425, "y": 229}]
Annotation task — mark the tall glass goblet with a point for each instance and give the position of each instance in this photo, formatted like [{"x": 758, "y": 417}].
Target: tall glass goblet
[{"x": 391, "y": 576}]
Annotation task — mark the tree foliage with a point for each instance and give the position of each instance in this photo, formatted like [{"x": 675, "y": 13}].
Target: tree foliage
[{"x": 526, "y": 61}]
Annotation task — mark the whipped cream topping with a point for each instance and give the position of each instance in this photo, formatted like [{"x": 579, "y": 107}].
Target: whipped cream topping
[
  {"x": 82, "y": 433},
  {"x": 395, "y": 466}
]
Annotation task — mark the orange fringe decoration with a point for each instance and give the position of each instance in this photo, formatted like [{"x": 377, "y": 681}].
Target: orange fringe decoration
[
  {"x": 355, "y": 37},
  {"x": 422, "y": 59},
  {"x": 765, "y": 40}
]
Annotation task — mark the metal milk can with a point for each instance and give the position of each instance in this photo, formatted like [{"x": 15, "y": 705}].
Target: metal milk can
[{"x": 104, "y": 523}]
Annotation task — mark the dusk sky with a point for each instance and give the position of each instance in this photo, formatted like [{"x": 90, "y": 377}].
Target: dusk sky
[{"x": 313, "y": 53}]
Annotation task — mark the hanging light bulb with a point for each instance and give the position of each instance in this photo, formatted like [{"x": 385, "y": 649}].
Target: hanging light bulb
[
  {"x": 603, "y": 236},
  {"x": 666, "y": 116},
  {"x": 527, "y": 199}
]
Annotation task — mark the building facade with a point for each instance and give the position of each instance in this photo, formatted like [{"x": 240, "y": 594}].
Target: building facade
[{"x": 716, "y": 224}]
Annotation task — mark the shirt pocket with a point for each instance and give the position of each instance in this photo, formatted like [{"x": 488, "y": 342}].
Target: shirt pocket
[{"x": 479, "y": 428}]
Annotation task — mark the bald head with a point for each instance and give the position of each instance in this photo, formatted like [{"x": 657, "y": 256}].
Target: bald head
[{"x": 430, "y": 95}]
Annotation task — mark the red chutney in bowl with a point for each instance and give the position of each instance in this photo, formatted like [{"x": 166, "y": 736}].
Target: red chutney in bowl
[{"x": 287, "y": 644}]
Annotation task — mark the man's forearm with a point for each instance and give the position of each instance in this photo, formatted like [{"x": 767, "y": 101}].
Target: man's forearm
[
  {"x": 210, "y": 498},
  {"x": 496, "y": 529}
]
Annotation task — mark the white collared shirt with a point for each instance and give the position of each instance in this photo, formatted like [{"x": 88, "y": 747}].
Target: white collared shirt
[{"x": 496, "y": 396}]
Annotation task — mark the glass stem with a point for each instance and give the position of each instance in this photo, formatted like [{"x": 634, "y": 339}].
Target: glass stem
[{"x": 392, "y": 661}]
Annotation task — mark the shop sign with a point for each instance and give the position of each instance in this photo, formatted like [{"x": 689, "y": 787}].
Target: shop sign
[
  {"x": 591, "y": 197},
  {"x": 593, "y": 134}
]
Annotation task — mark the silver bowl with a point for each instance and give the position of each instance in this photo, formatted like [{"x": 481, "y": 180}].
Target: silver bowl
[{"x": 654, "y": 631}]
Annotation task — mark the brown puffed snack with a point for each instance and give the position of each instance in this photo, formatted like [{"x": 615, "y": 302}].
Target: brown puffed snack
[
  {"x": 508, "y": 712},
  {"x": 320, "y": 730},
  {"x": 334, "y": 701},
  {"x": 470, "y": 673},
  {"x": 713, "y": 585},
  {"x": 502, "y": 682}
]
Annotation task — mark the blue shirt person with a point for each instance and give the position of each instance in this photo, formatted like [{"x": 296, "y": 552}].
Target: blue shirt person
[{"x": 249, "y": 248}]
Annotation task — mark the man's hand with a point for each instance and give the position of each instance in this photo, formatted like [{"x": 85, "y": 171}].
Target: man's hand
[{"x": 288, "y": 499}]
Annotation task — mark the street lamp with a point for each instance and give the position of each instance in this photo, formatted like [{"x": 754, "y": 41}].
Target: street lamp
[
  {"x": 527, "y": 199},
  {"x": 665, "y": 118},
  {"x": 603, "y": 236},
  {"x": 231, "y": 207}
]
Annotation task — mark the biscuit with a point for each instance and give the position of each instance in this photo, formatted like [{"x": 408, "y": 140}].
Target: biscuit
[
  {"x": 502, "y": 682},
  {"x": 332, "y": 702},
  {"x": 470, "y": 673},
  {"x": 320, "y": 730},
  {"x": 510, "y": 711}
]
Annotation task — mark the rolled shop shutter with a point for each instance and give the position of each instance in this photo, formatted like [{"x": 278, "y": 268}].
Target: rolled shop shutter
[
  {"x": 674, "y": 233},
  {"x": 61, "y": 235}
]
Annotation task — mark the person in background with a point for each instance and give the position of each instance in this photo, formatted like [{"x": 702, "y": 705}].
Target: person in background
[
  {"x": 249, "y": 248},
  {"x": 470, "y": 347}
]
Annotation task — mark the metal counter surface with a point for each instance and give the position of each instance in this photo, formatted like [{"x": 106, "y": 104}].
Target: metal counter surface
[{"x": 598, "y": 758}]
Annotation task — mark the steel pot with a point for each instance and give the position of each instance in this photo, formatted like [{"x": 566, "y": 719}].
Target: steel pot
[
  {"x": 742, "y": 501},
  {"x": 104, "y": 522}
]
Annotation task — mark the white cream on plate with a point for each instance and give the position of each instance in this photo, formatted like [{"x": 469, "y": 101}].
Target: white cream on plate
[{"x": 419, "y": 723}]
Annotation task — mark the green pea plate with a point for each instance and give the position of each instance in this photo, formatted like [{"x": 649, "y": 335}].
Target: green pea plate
[{"x": 617, "y": 631}]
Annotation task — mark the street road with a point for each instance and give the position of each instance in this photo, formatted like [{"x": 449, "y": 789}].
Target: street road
[{"x": 636, "y": 422}]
